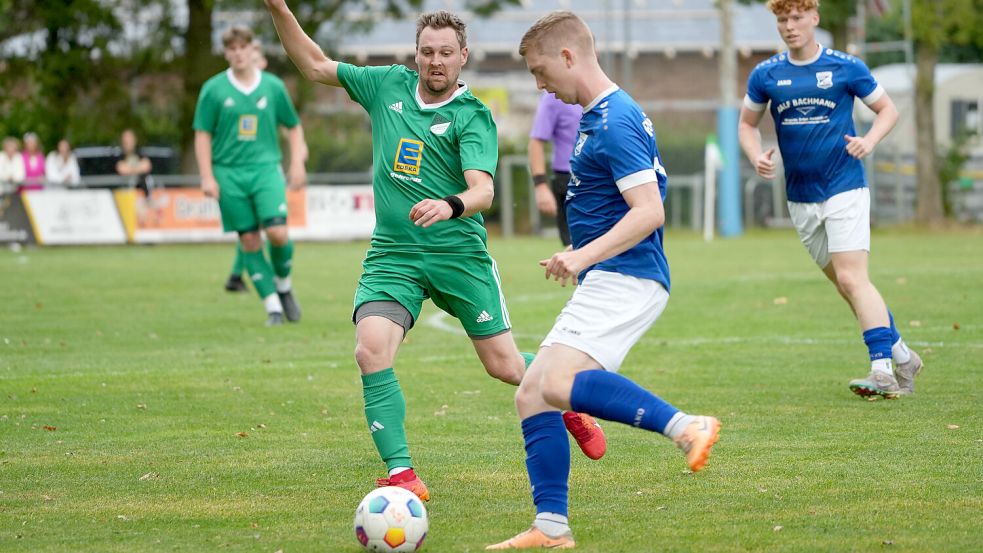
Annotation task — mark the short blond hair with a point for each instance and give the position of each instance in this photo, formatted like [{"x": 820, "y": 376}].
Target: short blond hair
[
  {"x": 237, "y": 34},
  {"x": 443, "y": 19},
  {"x": 785, "y": 6},
  {"x": 546, "y": 33}
]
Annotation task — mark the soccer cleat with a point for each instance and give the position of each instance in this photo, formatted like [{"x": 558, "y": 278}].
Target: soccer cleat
[
  {"x": 697, "y": 440},
  {"x": 876, "y": 384},
  {"x": 290, "y": 306},
  {"x": 905, "y": 373},
  {"x": 235, "y": 284},
  {"x": 587, "y": 432},
  {"x": 407, "y": 480},
  {"x": 274, "y": 319},
  {"x": 534, "y": 538}
]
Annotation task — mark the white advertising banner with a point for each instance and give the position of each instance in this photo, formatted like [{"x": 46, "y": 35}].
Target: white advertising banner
[
  {"x": 74, "y": 217},
  {"x": 338, "y": 213}
]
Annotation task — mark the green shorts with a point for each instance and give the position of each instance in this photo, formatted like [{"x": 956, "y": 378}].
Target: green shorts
[
  {"x": 466, "y": 286},
  {"x": 251, "y": 196}
]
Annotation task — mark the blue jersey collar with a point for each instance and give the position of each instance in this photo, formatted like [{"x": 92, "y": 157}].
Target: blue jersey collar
[
  {"x": 813, "y": 59},
  {"x": 611, "y": 90}
]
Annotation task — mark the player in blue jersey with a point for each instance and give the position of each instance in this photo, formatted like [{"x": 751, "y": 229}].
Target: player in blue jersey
[
  {"x": 615, "y": 212},
  {"x": 811, "y": 90}
]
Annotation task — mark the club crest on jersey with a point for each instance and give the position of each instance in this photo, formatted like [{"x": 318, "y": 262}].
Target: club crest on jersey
[
  {"x": 247, "y": 127},
  {"x": 824, "y": 79},
  {"x": 581, "y": 140},
  {"x": 261, "y": 104},
  {"x": 439, "y": 125},
  {"x": 409, "y": 155}
]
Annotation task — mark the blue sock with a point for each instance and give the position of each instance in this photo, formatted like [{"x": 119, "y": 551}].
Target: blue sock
[
  {"x": 878, "y": 342},
  {"x": 613, "y": 397},
  {"x": 547, "y": 461},
  {"x": 895, "y": 335}
]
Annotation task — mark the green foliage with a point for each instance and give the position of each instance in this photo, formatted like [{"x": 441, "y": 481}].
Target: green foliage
[
  {"x": 339, "y": 142},
  {"x": 80, "y": 76},
  {"x": 144, "y": 372}
]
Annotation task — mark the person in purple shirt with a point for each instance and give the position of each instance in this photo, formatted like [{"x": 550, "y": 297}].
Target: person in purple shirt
[{"x": 554, "y": 122}]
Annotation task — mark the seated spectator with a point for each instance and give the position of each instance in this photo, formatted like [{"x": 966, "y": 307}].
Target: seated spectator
[
  {"x": 33, "y": 163},
  {"x": 133, "y": 164},
  {"x": 11, "y": 166},
  {"x": 61, "y": 168}
]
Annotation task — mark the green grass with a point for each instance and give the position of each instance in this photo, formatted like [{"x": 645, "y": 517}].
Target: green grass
[{"x": 144, "y": 366}]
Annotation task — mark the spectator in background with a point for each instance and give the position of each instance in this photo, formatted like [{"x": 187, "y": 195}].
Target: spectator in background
[
  {"x": 11, "y": 166},
  {"x": 132, "y": 164},
  {"x": 554, "y": 122},
  {"x": 61, "y": 168},
  {"x": 33, "y": 157}
]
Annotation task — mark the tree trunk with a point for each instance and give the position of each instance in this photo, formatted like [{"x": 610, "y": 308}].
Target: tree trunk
[
  {"x": 929, "y": 201},
  {"x": 199, "y": 65}
]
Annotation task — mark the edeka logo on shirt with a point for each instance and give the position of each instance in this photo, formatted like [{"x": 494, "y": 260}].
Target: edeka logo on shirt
[
  {"x": 409, "y": 155},
  {"x": 247, "y": 127}
]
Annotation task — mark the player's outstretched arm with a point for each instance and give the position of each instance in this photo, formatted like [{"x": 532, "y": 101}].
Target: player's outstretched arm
[
  {"x": 750, "y": 139},
  {"x": 304, "y": 52},
  {"x": 478, "y": 196}
]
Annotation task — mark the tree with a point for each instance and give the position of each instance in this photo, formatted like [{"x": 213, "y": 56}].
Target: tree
[{"x": 936, "y": 23}]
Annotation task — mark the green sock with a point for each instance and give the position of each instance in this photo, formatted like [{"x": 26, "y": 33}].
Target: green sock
[
  {"x": 282, "y": 258},
  {"x": 260, "y": 272},
  {"x": 527, "y": 357},
  {"x": 238, "y": 265},
  {"x": 385, "y": 410}
]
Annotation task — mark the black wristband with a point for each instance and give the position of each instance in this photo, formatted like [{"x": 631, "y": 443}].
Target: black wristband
[
  {"x": 538, "y": 179},
  {"x": 457, "y": 205}
]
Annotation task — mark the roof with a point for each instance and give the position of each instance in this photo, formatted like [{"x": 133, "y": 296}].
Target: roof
[{"x": 651, "y": 25}]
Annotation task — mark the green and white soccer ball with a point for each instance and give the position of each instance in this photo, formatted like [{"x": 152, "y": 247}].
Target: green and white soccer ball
[{"x": 391, "y": 519}]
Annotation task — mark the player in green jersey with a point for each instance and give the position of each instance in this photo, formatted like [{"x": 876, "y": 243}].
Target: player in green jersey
[
  {"x": 435, "y": 151},
  {"x": 235, "y": 283},
  {"x": 237, "y": 144}
]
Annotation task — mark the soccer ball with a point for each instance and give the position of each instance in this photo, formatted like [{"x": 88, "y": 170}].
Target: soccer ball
[{"x": 391, "y": 519}]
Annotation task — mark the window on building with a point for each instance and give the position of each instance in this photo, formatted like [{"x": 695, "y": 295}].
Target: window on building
[{"x": 966, "y": 119}]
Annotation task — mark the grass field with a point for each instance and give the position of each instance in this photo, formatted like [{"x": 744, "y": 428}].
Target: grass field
[{"x": 127, "y": 376}]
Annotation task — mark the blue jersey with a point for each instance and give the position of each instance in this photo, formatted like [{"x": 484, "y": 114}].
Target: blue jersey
[
  {"x": 615, "y": 151},
  {"x": 812, "y": 105}
]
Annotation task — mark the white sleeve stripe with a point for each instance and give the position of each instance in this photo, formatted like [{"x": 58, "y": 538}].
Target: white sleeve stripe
[
  {"x": 752, "y": 105},
  {"x": 637, "y": 179},
  {"x": 874, "y": 96}
]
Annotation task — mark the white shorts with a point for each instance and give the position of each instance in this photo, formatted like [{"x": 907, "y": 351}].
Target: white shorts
[
  {"x": 840, "y": 224},
  {"x": 607, "y": 314}
]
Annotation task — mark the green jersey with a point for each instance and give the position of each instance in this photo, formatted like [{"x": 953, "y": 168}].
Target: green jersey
[
  {"x": 420, "y": 151},
  {"x": 244, "y": 123}
]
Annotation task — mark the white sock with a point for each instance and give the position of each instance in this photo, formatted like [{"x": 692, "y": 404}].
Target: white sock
[
  {"x": 900, "y": 352},
  {"x": 677, "y": 424},
  {"x": 553, "y": 525},
  {"x": 397, "y": 470},
  {"x": 283, "y": 285},
  {"x": 272, "y": 304},
  {"x": 882, "y": 366}
]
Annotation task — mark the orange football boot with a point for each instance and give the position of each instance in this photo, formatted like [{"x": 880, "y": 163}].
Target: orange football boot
[
  {"x": 534, "y": 538},
  {"x": 697, "y": 440}
]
